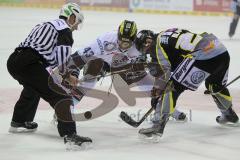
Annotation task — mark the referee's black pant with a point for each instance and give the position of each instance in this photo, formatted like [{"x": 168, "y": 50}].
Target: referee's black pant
[{"x": 27, "y": 67}]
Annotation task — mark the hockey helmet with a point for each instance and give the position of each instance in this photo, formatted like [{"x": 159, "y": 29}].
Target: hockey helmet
[
  {"x": 127, "y": 32},
  {"x": 141, "y": 41},
  {"x": 72, "y": 8}
]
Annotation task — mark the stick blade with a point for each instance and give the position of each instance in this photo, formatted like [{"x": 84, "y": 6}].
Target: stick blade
[{"x": 126, "y": 118}]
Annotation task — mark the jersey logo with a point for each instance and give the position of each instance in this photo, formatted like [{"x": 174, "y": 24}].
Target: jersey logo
[
  {"x": 197, "y": 77},
  {"x": 100, "y": 46},
  {"x": 119, "y": 60},
  {"x": 109, "y": 46},
  {"x": 183, "y": 69},
  {"x": 59, "y": 24},
  {"x": 194, "y": 78}
]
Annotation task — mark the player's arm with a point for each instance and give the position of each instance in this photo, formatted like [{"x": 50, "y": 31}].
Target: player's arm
[
  {"x": 160, "y": 68},
  {"x": 66, "y": 66}
]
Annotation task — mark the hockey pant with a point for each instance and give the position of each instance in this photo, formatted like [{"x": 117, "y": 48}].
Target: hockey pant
[
  {"x": 217, "y": 80},
  {"x": 215, "y": 73},
  {"x": 28, "y": 69}
]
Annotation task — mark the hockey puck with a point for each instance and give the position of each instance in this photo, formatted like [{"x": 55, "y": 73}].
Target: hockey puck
[{"x": 88, "y": 115}]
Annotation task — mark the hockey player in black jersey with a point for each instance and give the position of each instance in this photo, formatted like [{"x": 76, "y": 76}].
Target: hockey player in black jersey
[
  {"x": 235, "y": 6},
  {"x": 47, "y": 46},
  {"x": 182, "y": 60}
]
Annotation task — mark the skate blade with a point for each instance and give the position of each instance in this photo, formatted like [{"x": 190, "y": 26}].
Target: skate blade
[
  {"x": 20, "y": 130},
  {"x": 229, "y": 124},
  {"x": 154, "y": 138},
  {"x": 178, "y": 121},
  {"x": 73, "y": 147}
]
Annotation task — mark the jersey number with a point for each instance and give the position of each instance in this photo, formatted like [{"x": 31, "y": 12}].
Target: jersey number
[
  {"x": 88, "y": 52},
  {"x": 187, "y": 41}
]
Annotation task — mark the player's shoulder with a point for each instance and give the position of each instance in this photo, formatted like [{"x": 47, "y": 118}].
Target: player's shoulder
[
  {"x": 133, "y": 49},
  {"x": 109, "y": 36},
  {"x": 177, "y": 30},
  {"x": 59, "y": 24}
]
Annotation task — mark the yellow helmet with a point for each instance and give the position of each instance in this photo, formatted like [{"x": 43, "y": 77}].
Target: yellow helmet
[{"x": 127, "y": 31}]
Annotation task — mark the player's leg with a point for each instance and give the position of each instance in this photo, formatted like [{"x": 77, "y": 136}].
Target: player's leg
[
  {"x": 165, "y": 107},
  {"x": 34, "y": 75},
  {"x": 215, "y": 83},
  {"x": 233, "y": 24},
  {"x": 144, "y": 82},
  {"x": 177, "y": 115},
  {"x": 223, "y": 100},
  {"x": 62, "y": 104},
  {"x": 24, "y": 111},
  {"x": 25, "y": 108}
]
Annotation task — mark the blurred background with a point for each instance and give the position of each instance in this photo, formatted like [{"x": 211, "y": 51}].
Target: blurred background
[
  {"x": 200, "y": 139},
  {"x": 202, "y": 7}
]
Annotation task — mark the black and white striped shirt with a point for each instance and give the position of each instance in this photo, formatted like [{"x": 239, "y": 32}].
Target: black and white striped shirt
[{"x": 53, "y": 41}]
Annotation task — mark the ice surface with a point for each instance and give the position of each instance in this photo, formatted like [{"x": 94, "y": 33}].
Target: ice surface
[{"x": 201, "y": 139}]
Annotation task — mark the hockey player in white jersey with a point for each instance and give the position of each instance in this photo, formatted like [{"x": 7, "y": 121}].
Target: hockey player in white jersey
[{"x": 115, "y": 52}]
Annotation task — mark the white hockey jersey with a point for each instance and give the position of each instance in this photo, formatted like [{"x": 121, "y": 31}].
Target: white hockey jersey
[{"x": 106, "y": 48}]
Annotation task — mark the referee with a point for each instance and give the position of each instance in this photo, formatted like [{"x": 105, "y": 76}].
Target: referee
[{"x": 47, "y": 46}]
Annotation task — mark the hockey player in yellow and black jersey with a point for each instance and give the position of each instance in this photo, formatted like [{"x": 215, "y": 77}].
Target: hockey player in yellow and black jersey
[{"x": 182, "y": 60}]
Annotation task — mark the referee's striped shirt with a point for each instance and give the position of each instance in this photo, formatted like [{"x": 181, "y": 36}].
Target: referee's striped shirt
[{"x": 53, "y": 41}]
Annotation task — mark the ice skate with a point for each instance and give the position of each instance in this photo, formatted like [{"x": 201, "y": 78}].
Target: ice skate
[
  {"x": 154, "y": 133},
  {"x": 228, "y": 118},
  {"x": 179, "y": 116},
  {"x": 75, "y": 142},
  {"x": 23, "y": 127}
]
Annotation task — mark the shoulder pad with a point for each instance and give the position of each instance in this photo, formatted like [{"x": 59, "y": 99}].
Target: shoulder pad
[
  {"x": 59, "y": 24},
  {"x": 109, "y": 36}
]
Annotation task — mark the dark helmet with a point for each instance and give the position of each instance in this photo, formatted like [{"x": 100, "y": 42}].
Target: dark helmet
[
  {"x": 127, "y": 31},
  {"x": 141, "y": 39}
]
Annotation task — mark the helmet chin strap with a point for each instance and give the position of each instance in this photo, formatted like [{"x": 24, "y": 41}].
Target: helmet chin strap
[{"x": 72, "y": 25}]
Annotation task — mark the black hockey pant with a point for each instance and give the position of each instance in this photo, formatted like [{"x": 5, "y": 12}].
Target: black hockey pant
[
  {"x": 218, "y": 68},
  {"x": 27, "y": 67}
]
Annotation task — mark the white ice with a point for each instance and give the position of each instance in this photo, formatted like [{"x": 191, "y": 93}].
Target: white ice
[{"x": 200, "y": 139}]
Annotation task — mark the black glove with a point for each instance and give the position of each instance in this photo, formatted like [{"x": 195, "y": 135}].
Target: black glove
[
  {"x": 156, "y": 92},
  {"x": 155, "y": 70},
  {"x": 138, "y": 66},
  {"x": 154, "y": 102}
]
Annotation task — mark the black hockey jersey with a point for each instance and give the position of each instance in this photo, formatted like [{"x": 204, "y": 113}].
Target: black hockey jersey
[{"x": 174, "y": 45}]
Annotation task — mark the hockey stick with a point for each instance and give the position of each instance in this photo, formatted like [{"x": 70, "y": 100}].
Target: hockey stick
[
  {"x": 126, "y": 118},
  {"x": 231, "y": 82}
]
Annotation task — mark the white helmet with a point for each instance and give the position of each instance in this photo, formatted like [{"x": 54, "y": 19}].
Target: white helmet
[{"x": 72, "y": 8}]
